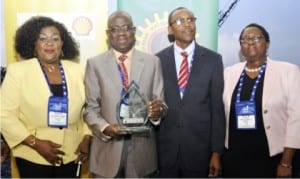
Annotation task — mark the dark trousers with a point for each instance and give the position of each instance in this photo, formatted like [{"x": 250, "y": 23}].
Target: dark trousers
[
  {"x": 296, "y": 164},
  {"x": 178, "y": 170},
  {"x": 28, "y": 169},
  {"x": 5, "y": 168}
]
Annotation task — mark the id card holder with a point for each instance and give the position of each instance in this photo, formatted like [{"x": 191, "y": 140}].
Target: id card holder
[
  {"x": 246, "y": 115},
  {"x": 58, "y": 112}
]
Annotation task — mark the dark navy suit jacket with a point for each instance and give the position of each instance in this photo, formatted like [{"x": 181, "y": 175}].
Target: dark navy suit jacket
[{"x": 194, "y": 126}]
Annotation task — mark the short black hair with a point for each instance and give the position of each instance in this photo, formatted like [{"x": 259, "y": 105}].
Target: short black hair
[
  {"x": 261, "y": 28},
  {"x": 28, "y": 34},
  {"x": 172, "y": 12},
  {"x": 171, "y": 37}
]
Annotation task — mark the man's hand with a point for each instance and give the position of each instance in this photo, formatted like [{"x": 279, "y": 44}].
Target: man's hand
[
  {"x": 156, "y": 109},
  {"x": 214, "y": 165},
  {"x": 113, "y": 131}
]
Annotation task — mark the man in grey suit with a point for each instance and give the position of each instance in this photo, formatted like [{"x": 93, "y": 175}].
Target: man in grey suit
[
  {"x": 191, "y": 135},
  {"x": 116, "y": 153}
]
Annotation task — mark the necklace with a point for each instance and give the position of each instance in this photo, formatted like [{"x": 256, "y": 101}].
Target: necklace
[
  {"x": 252, "y": 70},
  {"x": 50, "y": 68}
]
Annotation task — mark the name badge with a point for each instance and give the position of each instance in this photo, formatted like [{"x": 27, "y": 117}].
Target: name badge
[
  {"x": 246, "y": 115},
  {"x": 58, "y": 112}
]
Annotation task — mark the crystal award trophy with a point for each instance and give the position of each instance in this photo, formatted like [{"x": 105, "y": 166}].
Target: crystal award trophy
[{"x": 133, "y": 111}]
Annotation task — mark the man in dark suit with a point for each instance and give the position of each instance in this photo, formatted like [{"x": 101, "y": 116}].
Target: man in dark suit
[
  {"x": 191, "y": 135},
  {"x": 116, "y": 153}
]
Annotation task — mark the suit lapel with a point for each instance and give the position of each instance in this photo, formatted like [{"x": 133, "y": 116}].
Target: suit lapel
[
  {"x": 170, "y": 72},
  {"x": 137, "y": 66},
  {"x": 195, "y": 70},
  {"x": 111, "y": 67}
]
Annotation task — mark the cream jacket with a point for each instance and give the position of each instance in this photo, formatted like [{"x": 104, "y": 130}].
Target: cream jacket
[
  {"x": 24, "y": 105},
  {"x": 281, "y": 103}
]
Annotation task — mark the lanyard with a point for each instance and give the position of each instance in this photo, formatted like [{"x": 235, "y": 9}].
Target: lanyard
[
  {"x": 123, "y": 80},
  {"x": 63, "y": 80},
  {"x": 241, "y": 83}
]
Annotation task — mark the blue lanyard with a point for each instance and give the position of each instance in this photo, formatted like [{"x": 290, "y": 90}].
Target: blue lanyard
[
  {"x": 63, "y": 80},
  {"x": 123, "y": 80},
  {"x": 241, "y": 83}
]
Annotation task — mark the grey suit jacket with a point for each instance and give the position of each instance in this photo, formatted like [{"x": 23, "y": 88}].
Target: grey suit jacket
[
  {"x": 194, "y": 126},
  {"x": 103, "y": 93}
]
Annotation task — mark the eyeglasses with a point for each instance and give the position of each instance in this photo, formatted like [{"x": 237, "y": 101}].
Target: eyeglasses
[
  {"x": 254, "y": 39},
  {"x": 124, "y": 28},
  {"x": 181, "y": 21}
]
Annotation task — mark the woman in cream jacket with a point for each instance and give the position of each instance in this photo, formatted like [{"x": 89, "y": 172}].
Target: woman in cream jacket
[
  {"x": 262, "y": 102},
  {"x": 42, "y": 102}
]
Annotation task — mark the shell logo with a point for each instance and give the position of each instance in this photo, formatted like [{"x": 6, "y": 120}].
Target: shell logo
[
  {"x": 82, "y": 26},
  {"x": 153, "y": 37}
]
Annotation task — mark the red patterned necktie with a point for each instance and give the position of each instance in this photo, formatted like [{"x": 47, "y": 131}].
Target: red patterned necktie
[
  {"x": 122, "y": 58},
  {"x": 184, "y": 71}
]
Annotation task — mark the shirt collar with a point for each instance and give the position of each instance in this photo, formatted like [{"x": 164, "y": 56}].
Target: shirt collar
[
  {"x": 128, "y": 54},
  {"x": 189, "y": 49}
]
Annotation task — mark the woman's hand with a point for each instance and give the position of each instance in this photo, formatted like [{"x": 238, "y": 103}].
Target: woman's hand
[
  {"x": 284, "y": 171},
  {"x": 83, "y": 149},
  {"x": 49, "y": 150},
  {"x": 284, "y": 168},
  {"x": 4, "y": 151}
]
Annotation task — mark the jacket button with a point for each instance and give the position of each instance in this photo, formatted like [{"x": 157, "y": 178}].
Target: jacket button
[
  {"x": 268, "y": 127},
  {"x": 265, "y": 111}
]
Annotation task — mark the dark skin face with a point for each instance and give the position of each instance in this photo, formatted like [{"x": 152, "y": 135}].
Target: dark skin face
[
  {"x": 184, "y": 33},
  {"x": 255, "y": 52},
  {"x": 49, "y": 45},
  {"x": 121, "y": 32},
  {"x": 121, "y": 35}
]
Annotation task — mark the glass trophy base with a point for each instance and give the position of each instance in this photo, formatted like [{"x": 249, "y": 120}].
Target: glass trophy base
[{"x": 134, "y": 129}]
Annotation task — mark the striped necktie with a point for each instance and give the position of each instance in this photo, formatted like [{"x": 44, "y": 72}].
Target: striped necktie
[
  {"x": 122, "y": 58},
  {"x": 184, "y": 72}
]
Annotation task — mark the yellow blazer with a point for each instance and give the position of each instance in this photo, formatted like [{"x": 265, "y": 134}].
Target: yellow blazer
[{"x": 24, "y": 107}]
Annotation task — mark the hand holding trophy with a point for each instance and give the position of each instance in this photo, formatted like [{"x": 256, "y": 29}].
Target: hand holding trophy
[{"x": 133, "y": 111}]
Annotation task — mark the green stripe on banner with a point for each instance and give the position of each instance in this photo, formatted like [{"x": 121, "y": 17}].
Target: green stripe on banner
[{"x": 151, "y": 19}]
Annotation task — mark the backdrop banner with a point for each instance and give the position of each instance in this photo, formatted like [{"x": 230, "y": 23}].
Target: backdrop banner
[
  {"x": 86, "y": 20},
  {"x": 151, "y": 19}
]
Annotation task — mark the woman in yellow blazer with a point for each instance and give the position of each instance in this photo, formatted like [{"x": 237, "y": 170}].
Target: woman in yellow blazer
[{"x": 42, "y": 101}]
